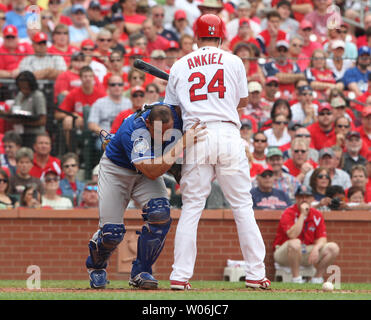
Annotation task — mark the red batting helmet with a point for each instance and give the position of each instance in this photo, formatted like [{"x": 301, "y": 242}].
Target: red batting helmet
[{"x": 209, "y": 26}]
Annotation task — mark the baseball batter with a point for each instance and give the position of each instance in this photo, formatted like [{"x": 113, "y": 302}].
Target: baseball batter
[
  {"x": 209, "y": 85},
  {"x": 131, "y": 167}
]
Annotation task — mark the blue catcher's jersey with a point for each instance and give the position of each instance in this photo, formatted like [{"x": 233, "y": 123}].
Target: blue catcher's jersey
[{"x": 132, "y": 141}]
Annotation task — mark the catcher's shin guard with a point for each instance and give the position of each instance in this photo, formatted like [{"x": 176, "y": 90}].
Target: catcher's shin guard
[
  {"x": 152, "y": 238},
  {"x": 102, "y": 245}
]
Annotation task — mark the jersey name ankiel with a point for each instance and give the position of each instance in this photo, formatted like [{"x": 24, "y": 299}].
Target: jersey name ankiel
[{"x": 205, "y": 59}]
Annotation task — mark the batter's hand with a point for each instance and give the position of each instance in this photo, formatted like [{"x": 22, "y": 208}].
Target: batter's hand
[{"x": 194, "y": 134}]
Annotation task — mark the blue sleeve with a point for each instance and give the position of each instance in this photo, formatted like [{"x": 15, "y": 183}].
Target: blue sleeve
[
  {"x": 269, "y": 70},
  {"x": 349, "y": 77}
]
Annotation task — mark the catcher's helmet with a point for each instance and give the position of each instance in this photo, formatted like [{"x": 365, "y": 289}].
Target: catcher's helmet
[{"x": 209, "y": 26}]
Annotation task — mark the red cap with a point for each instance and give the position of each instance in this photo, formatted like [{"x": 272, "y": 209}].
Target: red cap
[
  {"x": 271, "y": 79},
  {"x": 172, "y": 45},
  {"x": 180, "y": 14},
  {"x": 306, "y": 24},
  {"x": 39, "y": 37},
  {"x": 10, "y": 30},
  {"x": 3, "y": 7},
  {"x": 137, "y": 88},
  {"x": 262, "y": 169},
  {"x": 50, "y": 171},
  {"x": 136, "y": 51},
  {"x": 229, "y": 7},
  {"x": 324, "y": 106},
  {"x": 87, "y": 42},
  {"x": 366, "y": 111},
  {"x": 243, "y": 21}
]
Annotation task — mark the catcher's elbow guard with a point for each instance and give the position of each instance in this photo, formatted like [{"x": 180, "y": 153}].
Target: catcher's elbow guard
[{"x": 105, "y": 138}]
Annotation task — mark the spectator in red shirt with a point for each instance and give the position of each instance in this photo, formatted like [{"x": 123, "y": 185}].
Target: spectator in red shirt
[
  {"x": 300, "y": 163},
  {"x": 322, "y": 131},
  {"x": 61, "y": 45},
  {"x": 362, "y": 40},
  {"x": 56, "y": 10},
  {"x": 271, "y": 93},
  {"x": 133, "y": 21},
  {"x": 12, "y": 52},
  {"x": 296, "y": 54},
  {"x": 269, "y": 37},
  {"x": 172, "y": 53},
  {"x": 137, "y": 97},
  {"x": 310, "y": 42},
  {"x": 42, "y": 160},
  {"x": 260, "y": 144},
  {"x": 245, "y": 34},
  {"x": 116, "y": 64},
  {"x": 85, "y": 95},
  {"x": 155, "y": 41},
  {"x": 301, "y": 238},
  {"x": 365, "y": 130}
]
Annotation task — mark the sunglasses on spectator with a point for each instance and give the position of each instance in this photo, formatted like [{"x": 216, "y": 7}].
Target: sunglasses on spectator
[
  {"x": 136, "y": 95},
  {"x": 2, "y": 18},
  {"x": 4, "y": 180},
  {"x": 267, "y": 174},
  {"x": 307, "y": 29},
  {"x": 272, "y": 84},
  {"x": 41, "y": 43},
  {"x": 282, "y": 49},
  {"x": 159, "y": 15},
  {"x": 325, "y": 113},
  {"x": 104, "y": 40},
  {"x": 56, "y": 179},
  {"x": 116, "y": 84},
  {"x": 10, "y": 37},
  {"x": 47, "y": 17},
  {"x": 306, "y": 94},
  {"x": 300, "y": 151},
  {"x": 70, "y": 165},
  {"x": 59, "y": 32},
  {"x": 260, "y": 140},
  {"x": 341, "y": 126},
  {"x": 91, "y": 188},
  {"x": 281, "y": 122},
  {"x": 87, "y": 49},
  {"x": 321, "y": 176},
  {"x": 115, "y": 60},
  {"x": 302, "y": 135}
]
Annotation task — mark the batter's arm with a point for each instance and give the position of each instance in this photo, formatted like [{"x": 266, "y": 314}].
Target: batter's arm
[{"x": 154, "y": 168}]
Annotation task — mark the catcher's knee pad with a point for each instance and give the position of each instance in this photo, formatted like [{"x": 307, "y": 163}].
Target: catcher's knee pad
[
  {"x": 152, "y": 238},
  {"x": 103, "y": 243}
]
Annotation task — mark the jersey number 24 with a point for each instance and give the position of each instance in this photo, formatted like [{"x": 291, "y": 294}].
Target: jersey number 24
[{"x": 216, "y": 84}]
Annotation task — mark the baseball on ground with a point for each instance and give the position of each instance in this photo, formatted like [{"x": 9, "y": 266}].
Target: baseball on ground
[{"x": 328, "y": 286}]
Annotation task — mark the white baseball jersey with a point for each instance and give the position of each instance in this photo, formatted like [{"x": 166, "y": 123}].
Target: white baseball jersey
[{"x": 207, "y": 84}]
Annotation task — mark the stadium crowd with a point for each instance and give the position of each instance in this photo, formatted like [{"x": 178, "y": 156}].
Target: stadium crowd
[{"x": 307, "y": 122}]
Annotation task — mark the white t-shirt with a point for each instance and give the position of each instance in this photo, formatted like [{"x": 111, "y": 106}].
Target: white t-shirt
[
  {"x": 298, "y": 114},
  {"x": 60, "y": 203},
  {"x": 207, "y": 84},
  {"x": 273, "y": 141}
]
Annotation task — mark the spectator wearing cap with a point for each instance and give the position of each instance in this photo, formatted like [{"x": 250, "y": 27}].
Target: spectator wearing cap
[
  {"x": 95, "y": 14},
  {"x": 77, "y": 99},
  {"x": 305, "y": 111},
  {"x": 322, "y": 131},
  {"x": 157, "y": 15},
  {"x": 55, "y": 8},
  {"x": 311, "y": 42},
  {"x": 295, "y": 52},
  {"x": 12, "y": 52},
  {"x": 154, "y": 40},
  {"x": 133, "y": 20},
  {"x": 336, "y": 63},
  {"x": 301, "y": 238},
  {"x": 247, "y": 131},
  {"x": 260, "y": 144},
  {"x": 81, "y": 29},
  {"x": 89, "y": 197},
  {"x": 327, "y": 160},
  {"x": 137, "y": 96},
  {"x": 339, "y": 108},
  {"x": 287, "y": 72},
  {"x": 282, "y": 180},
  {"x": 288, "y": 24},
  {"x": 319, "y": 18},
  {"x": 22, "y": 178},
  {"x": 353, "y": 145},
  {"x": 269, "y": 37},
  {"x": 99, "y": 69},
  {"x": 104, "y": 110},
  {"x": 243, "y": 10},
  {"x": 356, "y": 79},
  {"x": 244, "y": 34},
  {"x": 255, "y": 107},
  {"x": 265, "y": 196},
  {"x": 300, "y": 163},
  {"x": 336, "y": 33},
  {"x": 320, "y": 77},
  {"x": 246, "y": 52},
  {"x": 342, "y": 127},
  {"x": 50, "y": 198},
  {"x": 365, "y": 130},
  {"x": 43, "y": 66},
  {"x": 19, "y": 16},
  {"x": 270, "y": 92},
  {"x": 172, "y": 53},
  {"x": 70, "y": 186},
  {"x": 61, "y": 43}
]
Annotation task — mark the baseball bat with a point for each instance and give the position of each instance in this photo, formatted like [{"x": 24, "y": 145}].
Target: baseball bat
[{"x": 149, "y": 68}]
